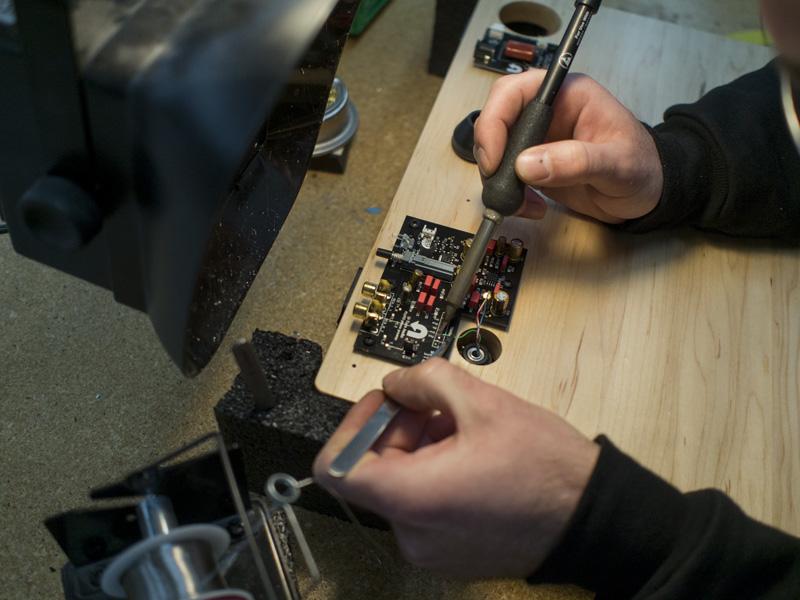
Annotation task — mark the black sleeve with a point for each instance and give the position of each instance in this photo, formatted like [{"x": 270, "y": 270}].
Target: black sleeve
[
  {"x": 633, "y": 535},
  {"x": 729, "y": 162}
]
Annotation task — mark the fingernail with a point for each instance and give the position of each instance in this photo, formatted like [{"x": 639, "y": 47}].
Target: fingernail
[
  {"x": 394, "y": 377},
  {"x": 483, "y": 161},
  {"x": 532, "y": 166}
]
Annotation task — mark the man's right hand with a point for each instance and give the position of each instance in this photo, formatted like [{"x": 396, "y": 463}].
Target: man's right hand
[{"x": 599, "y": 160}]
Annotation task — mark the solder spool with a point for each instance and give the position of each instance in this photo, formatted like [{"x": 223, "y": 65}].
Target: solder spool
[{"x": 340, "y": 122}]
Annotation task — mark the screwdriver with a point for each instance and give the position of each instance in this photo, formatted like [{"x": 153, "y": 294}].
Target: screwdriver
[{"x": 503, "y": 192}]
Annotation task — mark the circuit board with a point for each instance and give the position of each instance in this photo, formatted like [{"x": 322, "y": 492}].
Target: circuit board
[
  {"x": 505, "y": 52},
  {"x": 401, "y": 314}
]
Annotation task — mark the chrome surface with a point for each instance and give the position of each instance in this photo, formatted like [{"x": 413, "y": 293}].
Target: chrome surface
[{"x": 363, "y": 440}]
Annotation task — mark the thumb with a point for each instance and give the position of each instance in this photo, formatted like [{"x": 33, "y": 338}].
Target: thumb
[
  {"x": 568, "y": 163},
  {"x": 434, "y": 385}
]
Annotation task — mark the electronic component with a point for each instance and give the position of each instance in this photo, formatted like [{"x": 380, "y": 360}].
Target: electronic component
[
  {"x": 366, "y": 311},
  {"x": 500, "y": 302},
  {"x": 504, "y": 52},
  {"x": 369, "y": 289},
  {"x": 501, "y": 245},
  {"x": 515, "y": 248},
  {"x": 520, "y": 51},
  {"x": 402, "y": 323},
  {"x": 425, "y": 263}
]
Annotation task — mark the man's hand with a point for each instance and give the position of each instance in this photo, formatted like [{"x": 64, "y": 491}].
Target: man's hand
[
  {"x": 475, "y": 481},
  {"x": 599, "y": 160}
]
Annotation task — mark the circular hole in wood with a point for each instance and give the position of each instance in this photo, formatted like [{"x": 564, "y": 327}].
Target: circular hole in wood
[
  {"x": 530, "y": 18},
  {"x": 479, "y": 352}
]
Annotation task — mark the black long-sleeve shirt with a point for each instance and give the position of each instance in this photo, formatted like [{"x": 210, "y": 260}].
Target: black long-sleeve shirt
[
  {"x": 729, "y": 162},
  {"x": 730, "y": 166},
  {"x": 633, "y": 535}
]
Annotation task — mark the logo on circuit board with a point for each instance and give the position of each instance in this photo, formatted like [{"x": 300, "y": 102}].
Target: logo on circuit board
[{"x": 417, "y": 331}]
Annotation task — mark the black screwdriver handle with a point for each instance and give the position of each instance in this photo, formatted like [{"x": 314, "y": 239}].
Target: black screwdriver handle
[{"x": 504, "y": 191}]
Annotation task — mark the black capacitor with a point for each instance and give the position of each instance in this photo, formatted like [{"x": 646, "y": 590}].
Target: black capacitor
[{"x": 502, "y": 245}]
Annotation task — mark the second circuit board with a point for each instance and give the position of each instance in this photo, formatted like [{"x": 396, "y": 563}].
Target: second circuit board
[
  {"x": 401, "y": 313},
  {"x": 504, "y": 52}
]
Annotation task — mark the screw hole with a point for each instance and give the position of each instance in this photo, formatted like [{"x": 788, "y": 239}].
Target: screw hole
[
  {"x": 530, "y": 18},
  {"x": 484, "y": 353}
]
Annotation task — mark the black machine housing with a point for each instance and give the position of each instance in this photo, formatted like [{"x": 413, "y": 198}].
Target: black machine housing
[{"x": 155, "y": 147}]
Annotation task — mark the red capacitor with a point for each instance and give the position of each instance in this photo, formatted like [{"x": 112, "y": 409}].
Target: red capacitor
[
  {"x": 504, "y": 263},
  {"x": 498, "y": 286},
  {"x": 474, "y": 299},
  {"x": 490, "y": 247},
  {"x": 426, "y": 287},
  {"x": 421, "y": 299},
  {"x": 435, "y": 287},
  {"x": 520, "y": 51},
  {"x": 431, "y": 301}
]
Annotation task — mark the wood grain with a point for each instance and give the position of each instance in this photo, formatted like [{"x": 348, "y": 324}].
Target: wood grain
[{"x": 682, "y": 348}]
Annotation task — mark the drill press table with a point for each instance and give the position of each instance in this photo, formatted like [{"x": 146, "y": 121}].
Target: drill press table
[{"x": 683, "y": 348}]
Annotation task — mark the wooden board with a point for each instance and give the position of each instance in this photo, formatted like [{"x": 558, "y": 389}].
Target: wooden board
[{"x": 682, "y": 348}]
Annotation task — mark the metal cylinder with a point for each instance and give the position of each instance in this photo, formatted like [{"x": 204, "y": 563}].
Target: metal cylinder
[
  {"x": 368, "y": 289},
  {"x": 360, "y": 310},
  {"x": 339, "y": 123},
  {"x": 515, "y": 248},
  {"x": 179, "y": 571},
  {"x": 156, "y": 515},
  {"x": 473, "y": 259},
  {"x": 500, "y": 301},
  {"x": 366, "y": 311}
]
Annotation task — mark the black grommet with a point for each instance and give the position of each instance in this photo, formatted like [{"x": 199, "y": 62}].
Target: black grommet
[{"x": 464, "y": 137}]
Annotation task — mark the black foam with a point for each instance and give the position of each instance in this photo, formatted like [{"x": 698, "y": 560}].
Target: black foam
[{"x": 287, "y": 437}]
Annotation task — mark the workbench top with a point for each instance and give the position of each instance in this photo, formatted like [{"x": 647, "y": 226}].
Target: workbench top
[{"x": 682, "y": 347}]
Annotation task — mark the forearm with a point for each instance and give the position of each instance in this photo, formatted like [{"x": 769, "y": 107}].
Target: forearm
[
  {"x": 729, "y": 163},
  {"x": 635, "y": 536}
]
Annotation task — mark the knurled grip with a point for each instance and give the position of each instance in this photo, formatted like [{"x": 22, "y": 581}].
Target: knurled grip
[{"x": 503, "y": 191}]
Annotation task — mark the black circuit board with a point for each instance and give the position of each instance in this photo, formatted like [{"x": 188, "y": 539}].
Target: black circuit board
[
  {"x": 505, "y": 52},
  {"x": 406, "y": 329}
]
